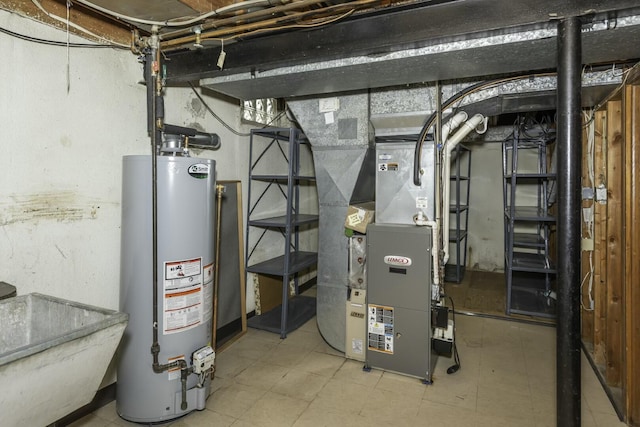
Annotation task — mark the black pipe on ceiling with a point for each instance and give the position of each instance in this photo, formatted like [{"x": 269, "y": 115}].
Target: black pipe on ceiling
[{"x": 569, "y": 149}]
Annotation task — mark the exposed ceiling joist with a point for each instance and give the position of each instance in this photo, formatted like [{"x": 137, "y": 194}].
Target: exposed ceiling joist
[{"x": 103, "y": 27}]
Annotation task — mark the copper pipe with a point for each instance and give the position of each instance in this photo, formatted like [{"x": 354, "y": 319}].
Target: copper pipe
[
  {"x": 216, "y": 274},
  {"x": 232, "y": 19},
  {"x": 218, "y": 32}
]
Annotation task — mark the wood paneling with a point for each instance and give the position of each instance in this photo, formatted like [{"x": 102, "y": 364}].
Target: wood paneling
[
  {"x": 632, "y": 249},
  {"x": 615, "y": 243},
  {"x": 615, "y": 324}
]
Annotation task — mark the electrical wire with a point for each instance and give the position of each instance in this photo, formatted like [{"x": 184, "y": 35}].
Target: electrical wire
[
  {"x": 456, "y": 357},
  {"x": 589, "y": 119},
  {"x": 225, "y": 124},
  {"x": 60, "y": 43},
  {"x": 73, "y": 25},
  {"x": 177, "y": 22},
  {"x": 285, "y": 27},
  {"x": 625, "y": 76},
  {"x": 213, "y": 113},
  {"x": 448, "y": 103}
]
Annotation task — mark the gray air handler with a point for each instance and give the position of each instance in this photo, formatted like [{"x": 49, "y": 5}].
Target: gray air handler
[
  {"x": 398, "y": 199},
  {"x": 399, "y": 329},
  {"x": 185, "y": 257}
]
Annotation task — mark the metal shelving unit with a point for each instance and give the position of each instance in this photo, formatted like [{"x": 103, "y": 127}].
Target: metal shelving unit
[
  {"x": 459, "y": 210},
  {"x": 528, "y": 222},
  {"x": 285, "y": 144}
]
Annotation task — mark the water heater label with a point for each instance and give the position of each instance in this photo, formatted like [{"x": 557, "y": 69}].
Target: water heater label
[
  {"x": 174, "y": 373},
  {"x": 401, "y": 261},
  {"x": 207, "y": 313},
  {"x": 380, "y": 328},
  {"x": 183, "y": 295},
  {"x": 199, "y": 170}
]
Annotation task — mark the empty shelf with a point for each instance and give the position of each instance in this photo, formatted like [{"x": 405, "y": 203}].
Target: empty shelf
[
  {"x": 281, "y": 220},
  {"x": 528, "y": 240},
  {"x": 454, "y": 237},
  {"x": 298, "y": 261},
  {"x": 531, "y": 262},
  {"x": 280, "y": 177},
  {"x": 529, "y": 213}
]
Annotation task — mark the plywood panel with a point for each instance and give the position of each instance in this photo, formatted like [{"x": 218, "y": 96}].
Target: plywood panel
[
  {"x": 615, "y": 243},
  {"x": 632, "y": 246}
]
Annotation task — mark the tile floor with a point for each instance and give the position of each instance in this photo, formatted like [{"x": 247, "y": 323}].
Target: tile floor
[{"x": 507, "y": 379}]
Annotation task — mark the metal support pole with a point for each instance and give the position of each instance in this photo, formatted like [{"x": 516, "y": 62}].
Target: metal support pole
[{"x": 569, "y": 146}]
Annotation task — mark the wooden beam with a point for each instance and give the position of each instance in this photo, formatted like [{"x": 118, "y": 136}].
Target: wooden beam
[
  {"x": 108, "y": 29},
  {"x": 614, "y": 346},
  {"x": 587, "y": 313},
  {"x": 204, "y": 6},
  {"x": 632, "y": 250},
  {"x": 600, "y": 242}
]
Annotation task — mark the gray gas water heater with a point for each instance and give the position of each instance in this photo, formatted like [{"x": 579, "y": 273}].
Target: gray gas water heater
[{"x": 184, "y": 303}]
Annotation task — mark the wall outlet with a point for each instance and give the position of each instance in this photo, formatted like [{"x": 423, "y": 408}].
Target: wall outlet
[{"x": 601, "y": 194}]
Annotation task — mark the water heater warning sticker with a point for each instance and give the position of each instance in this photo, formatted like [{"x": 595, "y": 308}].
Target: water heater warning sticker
[
  {"x": 183, "y": 296},
  {"x": 182, "y": 273},
  {"x": 207, "y": 313},
  {"x": 380, "y": 328}
]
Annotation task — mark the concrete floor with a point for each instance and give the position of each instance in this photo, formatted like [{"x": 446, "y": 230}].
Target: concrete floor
[{"x": 507, "y": 379}]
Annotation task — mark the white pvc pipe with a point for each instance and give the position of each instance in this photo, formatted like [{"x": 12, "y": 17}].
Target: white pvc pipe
[
  {"x": 452, "y": 124},
  {"x": 420, "y": 220},
  {"x": 448, "y": 147}
]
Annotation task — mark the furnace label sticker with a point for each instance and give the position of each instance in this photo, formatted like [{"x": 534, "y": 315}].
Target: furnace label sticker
[
  {"x": 380, "y": 328},
  {"x": 387, "y": 167},
  {"x": 183, "y": 296}
]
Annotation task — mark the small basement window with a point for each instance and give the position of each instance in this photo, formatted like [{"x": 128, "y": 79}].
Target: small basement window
[{"x": 264, "y": 111}]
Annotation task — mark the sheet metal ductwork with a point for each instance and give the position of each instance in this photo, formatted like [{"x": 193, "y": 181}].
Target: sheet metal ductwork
[
  {"x": 340, "y": 141},
  {"x": 342, "y": 138}
]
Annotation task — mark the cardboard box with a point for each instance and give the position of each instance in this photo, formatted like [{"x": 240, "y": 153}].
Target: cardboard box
[
  {"x": 359, "y": 216},
  {"x": 268, "y": 291}
]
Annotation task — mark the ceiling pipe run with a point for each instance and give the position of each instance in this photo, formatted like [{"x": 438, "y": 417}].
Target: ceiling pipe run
[{"x": 295, "y": 15}]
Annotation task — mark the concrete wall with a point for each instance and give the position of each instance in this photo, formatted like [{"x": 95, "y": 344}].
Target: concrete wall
[{"x": 486, "y": 208}]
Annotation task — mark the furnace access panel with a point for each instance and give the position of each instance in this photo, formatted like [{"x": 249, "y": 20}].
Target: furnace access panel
[{"x": 399, "y": 300}]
